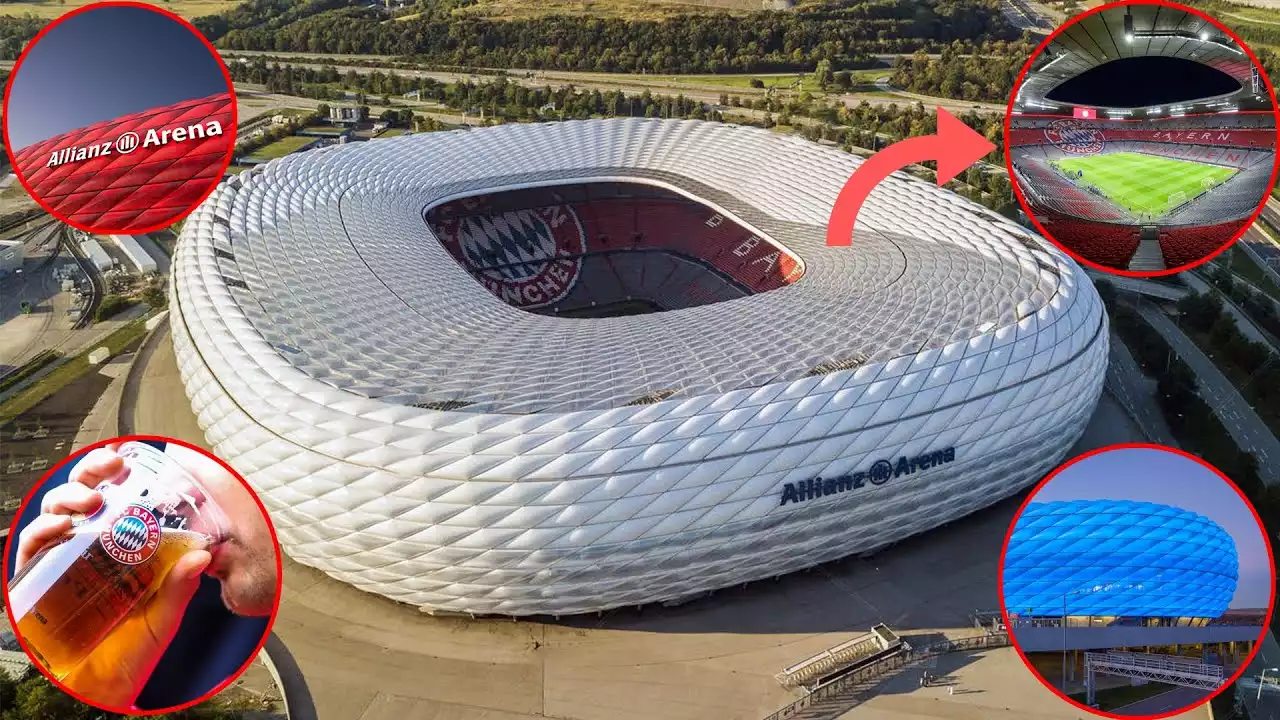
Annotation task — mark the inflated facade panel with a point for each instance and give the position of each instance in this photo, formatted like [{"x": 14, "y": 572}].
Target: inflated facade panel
[
  {"x": 417, "y": 437},
  {"x": 1118, "y": 558}
]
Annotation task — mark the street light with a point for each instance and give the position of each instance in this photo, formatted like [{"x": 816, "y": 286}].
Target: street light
[{"x": 1262, "y": 680}]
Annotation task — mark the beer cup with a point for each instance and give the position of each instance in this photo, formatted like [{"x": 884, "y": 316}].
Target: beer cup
[{"x": 71, "y": 594}]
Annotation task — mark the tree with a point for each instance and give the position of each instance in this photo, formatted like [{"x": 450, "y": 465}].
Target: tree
[
  {"x": 756, "y": 83},
  {"x": 822, "y": 75},
  {"x": 1200, "y": 310},
  {"x": 323, "y": 111},
  {"x": 155, "y": 296},
  {"x": 844, "y": 80}
]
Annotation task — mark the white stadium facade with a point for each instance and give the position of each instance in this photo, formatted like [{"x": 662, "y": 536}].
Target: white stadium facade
[{"x": 560, "y": 368}]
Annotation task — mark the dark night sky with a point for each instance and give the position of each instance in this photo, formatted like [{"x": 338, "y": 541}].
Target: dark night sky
[
  {"x": 103, "y": 64},
  {"x": 1143, "y": 82}
]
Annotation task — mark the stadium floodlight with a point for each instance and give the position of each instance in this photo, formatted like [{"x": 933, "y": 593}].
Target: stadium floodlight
[
  {"x": 1204, "y": 36},
  {"x": 1128, "y": 25}
]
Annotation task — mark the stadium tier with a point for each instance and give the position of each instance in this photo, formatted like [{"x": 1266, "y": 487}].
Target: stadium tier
[
  {"x": 357, "y": 334},
  {"x": 1098, "y": 182},
  {"x": 1182, "y": 245},
  {"x": 632, "y": 246}
]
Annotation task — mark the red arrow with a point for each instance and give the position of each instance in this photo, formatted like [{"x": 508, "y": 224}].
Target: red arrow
[{"x": 955, "y": 147}]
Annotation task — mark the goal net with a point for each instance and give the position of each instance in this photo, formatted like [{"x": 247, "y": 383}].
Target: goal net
[
  {"x": 1208, "y": 184},
  {"x": 1178, "y": 198}
]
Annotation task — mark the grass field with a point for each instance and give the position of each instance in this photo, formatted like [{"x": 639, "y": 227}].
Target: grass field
[
  {"x": 52, "y": 9},
  {"x": 1140, "y": 183},
  {"x": 282, "y": 147}
]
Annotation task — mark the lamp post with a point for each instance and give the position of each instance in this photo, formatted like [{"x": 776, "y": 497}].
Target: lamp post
[{"x": 1262, "y": 680}]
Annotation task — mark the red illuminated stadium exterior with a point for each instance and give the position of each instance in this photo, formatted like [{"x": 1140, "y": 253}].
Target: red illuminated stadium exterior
[
  {"x": 130, "y": 191},
  {"x": 1230, "y": 231}
]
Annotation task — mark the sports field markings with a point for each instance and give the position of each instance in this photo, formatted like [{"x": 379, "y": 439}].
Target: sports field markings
[{"x": 1143, "y": 184}]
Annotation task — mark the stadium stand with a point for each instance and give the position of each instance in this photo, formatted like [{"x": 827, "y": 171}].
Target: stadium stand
[
  {"x": 1183, "y": 245},
  {"x": 1054, "y": 192},
  {"x": 1109, "y": 245},
  {"x": 630, "y": 248},
  {"x": 1097, "y": 230}
]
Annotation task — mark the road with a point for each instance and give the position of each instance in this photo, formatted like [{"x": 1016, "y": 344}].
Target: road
[
  {"x": 1165, "y": 702},
  {"x": 659, "y": 84},
  {"x": 1136, "y": 393},
  {"x": 1243, "y": 321},
  {"x": 1263, "y": 247},
  {"x": 1244, "y": 425},
  {"x": 22, "y": 336}
]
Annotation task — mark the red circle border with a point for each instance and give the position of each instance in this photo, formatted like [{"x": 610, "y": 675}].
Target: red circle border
[
  {"x": 1004, "y": 549},
  {"x": 231, "y": 90},
  {"x": 271, "y": 620},
  {"x": 1026, "y": 207}
]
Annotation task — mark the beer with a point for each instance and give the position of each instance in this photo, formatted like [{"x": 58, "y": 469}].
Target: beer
[
  {"x": 84, "y": 602},
  {"x": 68, "y": 598}
]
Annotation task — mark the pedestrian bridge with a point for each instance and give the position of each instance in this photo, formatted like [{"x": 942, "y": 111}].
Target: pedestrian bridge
[{"x": 1170, "y": 670}]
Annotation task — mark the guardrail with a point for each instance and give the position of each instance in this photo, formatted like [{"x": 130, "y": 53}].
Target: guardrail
[
  {"x": 1172, "y": 670},
  {"x": 884, "y": 668},
  {"x": 828, "y": 661}
]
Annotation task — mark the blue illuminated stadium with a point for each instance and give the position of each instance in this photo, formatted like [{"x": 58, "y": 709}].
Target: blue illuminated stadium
[{"x": 1118, "y": 558}]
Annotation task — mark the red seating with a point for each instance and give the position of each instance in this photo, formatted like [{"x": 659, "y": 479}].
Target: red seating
[
  {"x": 1108, "y": 245},
  {"x": 638, "y": 243},
  {"x": 1189, "y": 244}
]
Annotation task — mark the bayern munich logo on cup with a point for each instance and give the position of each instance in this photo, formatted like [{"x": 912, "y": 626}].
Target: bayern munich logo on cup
[
  {"x": 1074, "y": 137},
  {"x": 133, "y": 538}
]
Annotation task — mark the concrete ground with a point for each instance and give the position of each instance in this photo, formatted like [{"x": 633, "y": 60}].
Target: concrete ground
[
  {"x": 368, "y": 658},
  {"x": 48, "y": 325}
]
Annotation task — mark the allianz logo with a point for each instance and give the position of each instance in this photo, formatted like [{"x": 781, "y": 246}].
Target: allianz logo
[
  {"x": 129, "y": 141},
  {"x": 880, "y": 472}
]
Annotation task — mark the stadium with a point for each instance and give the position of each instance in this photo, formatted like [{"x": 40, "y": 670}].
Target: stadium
[
  {"x": 1084, "y": 558},
  {"x": 136, "y": 172},
  {"x": 1105, "y": 592},
  {"x": 1142, "y": 188},
  {"x": 561, "y": 368}
]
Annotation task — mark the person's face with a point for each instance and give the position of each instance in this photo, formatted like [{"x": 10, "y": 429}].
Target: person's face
[{"x": 245, "y": 562}]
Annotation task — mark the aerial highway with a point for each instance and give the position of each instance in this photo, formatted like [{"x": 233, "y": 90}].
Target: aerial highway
[{"x": 1239, "y": 418}]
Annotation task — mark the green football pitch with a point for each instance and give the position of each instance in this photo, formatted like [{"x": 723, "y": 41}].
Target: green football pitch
[{"x": 1144, "y": 184}]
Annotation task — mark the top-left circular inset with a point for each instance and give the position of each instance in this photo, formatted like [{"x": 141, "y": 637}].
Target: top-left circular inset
[{"x": 119, "y": 118}]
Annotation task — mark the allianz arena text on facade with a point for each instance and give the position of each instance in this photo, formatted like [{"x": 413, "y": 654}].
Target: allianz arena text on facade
[
  {"x": 1118, "y": 558},
  {"x": 135, "y": 173},
  {"x": 467, "y": 370}
]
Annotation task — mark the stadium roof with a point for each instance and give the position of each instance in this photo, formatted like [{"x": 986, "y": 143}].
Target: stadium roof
[
  {"x": 1155, "y": 31},
  {"x": 327, "y": 259},
  {"x": 326, "y": 339}
]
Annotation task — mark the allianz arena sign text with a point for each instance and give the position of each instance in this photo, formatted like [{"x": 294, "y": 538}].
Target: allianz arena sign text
[
  {"x": 880, "y": 472},
  {"x": 129, "y": 141}
]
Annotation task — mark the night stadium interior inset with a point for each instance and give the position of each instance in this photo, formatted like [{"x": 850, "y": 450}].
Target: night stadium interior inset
[{"x": 1142, "y": 138}]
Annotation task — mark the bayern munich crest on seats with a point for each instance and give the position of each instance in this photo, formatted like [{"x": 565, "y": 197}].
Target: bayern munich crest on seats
[
  {"x": 531, "y": 256},
  {"x": 1074, "y": 137}
]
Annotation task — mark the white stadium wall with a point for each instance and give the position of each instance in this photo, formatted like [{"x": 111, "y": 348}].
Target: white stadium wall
[{"x": 316, "y": 321}]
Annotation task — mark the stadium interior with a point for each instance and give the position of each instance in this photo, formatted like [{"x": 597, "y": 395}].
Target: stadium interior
[
  {"x": 1150, "y": 187},
  {"x": 607, "y": 249}
]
